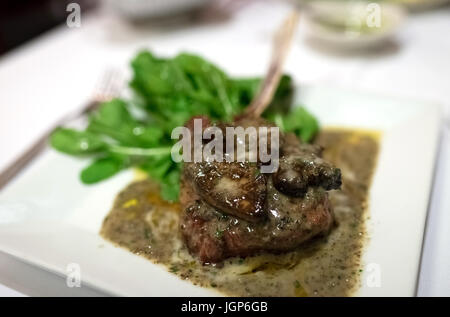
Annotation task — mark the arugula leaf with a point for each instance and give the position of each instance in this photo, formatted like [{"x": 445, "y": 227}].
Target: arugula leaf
[
  {"x": 101, "y": 169},
  {"x": 113, "y": 113},
  {"x": 298, "y": 121},
  {"x": 76, "y": 142},
  {"x": 158, "y": 167},
  {"x": 170, "y": 186},
  {"x": 169, "y": 91},
  {"x": 302, "y": 123},
  {"x": 113, "y": 119}
]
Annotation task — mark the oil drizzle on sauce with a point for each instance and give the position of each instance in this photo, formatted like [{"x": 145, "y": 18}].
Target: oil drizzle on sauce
[{"x": 328, "y": 266}]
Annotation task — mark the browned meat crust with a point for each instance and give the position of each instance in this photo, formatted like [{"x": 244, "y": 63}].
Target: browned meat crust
[
  {"x": 301, "y": 167},
  {"x": 232, "y": 210},
  {"x": 213, "y": 236}
]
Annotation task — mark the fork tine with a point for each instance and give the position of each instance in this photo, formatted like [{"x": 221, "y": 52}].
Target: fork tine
[
  {"x": 109, "y": 86},
  {"x": 106, "y": 89}
]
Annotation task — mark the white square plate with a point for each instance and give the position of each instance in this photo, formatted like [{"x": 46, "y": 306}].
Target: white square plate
[{"x": 48, "y": 218}]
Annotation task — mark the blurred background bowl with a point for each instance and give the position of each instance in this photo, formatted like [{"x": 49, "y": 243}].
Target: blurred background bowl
[
  {"x": 140, "y": 9},
  {"x": 345, "y": 24}
]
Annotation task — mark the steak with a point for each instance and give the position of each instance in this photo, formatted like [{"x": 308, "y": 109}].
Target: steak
[{"x": 230, "y": 209}]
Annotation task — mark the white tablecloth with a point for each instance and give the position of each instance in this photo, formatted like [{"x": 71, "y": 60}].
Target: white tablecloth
[{"x": 55, "y": 73}]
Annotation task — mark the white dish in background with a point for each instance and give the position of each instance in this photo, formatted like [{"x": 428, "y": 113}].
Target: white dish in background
[
  {"x": 140, "y": 9},
  {"x": 47, "y": 217},
  {"x": 344, "y": 24}
]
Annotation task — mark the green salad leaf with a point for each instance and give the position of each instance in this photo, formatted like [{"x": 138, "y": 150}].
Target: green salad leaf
[
  {"x": 101, "y": 169},
  {"x": 168, "y": 92},
  {"x": 74, "y": 142},
  {"x": 298, "y": 121}
]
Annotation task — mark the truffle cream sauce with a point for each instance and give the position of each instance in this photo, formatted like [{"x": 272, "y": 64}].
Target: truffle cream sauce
[{"x": 327, "y": 266}]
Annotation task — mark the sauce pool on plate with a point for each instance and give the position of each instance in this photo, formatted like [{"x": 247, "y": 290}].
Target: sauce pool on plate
[{"x": 327, "y": 266}]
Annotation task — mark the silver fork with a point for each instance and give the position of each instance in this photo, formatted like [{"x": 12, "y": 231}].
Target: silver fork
[{"x": 108, "y": 87}]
